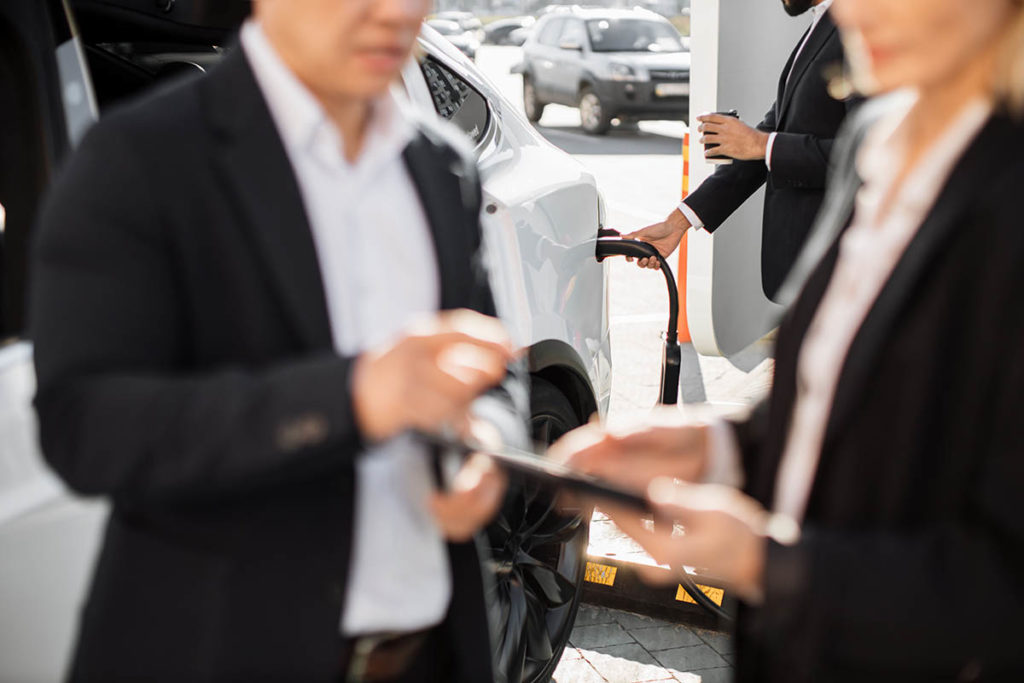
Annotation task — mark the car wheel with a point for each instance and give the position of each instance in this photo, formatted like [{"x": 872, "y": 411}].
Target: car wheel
[
  {"x": 540, "y": 555},
  {"x": 594, "y": 116},
  {"x": 531, "y": 103}
]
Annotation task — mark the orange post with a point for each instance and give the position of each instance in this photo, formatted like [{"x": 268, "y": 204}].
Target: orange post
[{"x": 684, "y": 327}]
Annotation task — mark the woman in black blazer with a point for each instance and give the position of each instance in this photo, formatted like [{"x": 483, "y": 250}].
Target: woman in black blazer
[{"x": 875, "y": 526}]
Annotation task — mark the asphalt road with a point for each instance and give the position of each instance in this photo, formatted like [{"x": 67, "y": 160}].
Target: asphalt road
[{"x": 639, "y": 173}]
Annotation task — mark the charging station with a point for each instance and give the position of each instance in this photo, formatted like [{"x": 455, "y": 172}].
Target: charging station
[{"x": 738, "y": 49}]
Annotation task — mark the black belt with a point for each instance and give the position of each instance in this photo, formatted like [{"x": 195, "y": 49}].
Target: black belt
[{"x": 383, "y": 657}]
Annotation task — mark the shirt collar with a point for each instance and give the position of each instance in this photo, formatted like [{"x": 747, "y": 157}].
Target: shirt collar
[
  {"x": 818, "y": 10},
  {"x": 881, "y": 155},
  {"x": 301, "y": 120}
]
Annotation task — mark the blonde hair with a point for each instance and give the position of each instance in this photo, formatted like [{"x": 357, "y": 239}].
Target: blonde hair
[{"x": 1009, "y": 82}]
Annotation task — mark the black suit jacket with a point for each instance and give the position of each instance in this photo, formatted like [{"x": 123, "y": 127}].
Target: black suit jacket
[
  {"x": 186, "y": 370},
  {"x": 911, "y": 565},
  {"x": 806, "y": 118}
]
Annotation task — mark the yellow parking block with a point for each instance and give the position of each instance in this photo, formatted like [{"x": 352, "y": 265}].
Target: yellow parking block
[
  {"x": 716, "y": 594},
  {"x": 600, "y": 573}
]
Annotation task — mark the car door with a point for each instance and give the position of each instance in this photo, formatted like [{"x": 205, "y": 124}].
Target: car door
[
  {"x": 48, "y": 540},
  {"x": 543, "y": 59},
  {"x": 569, "y": 63}
]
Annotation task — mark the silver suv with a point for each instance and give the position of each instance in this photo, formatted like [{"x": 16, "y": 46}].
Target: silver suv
[{"x": 626, "y": 64}]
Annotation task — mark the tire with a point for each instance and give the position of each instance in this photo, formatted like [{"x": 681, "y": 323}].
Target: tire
[
  {"x": 594, "y": 116},
  {"x": 532, "y": 104},
  {"x": 539, "y": 555}
]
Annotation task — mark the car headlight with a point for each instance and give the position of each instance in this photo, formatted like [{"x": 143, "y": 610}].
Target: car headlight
[{"x": 623, "y": 72}]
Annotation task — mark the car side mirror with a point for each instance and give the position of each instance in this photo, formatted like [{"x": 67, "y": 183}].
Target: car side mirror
[{"x": 569, "y": 45}]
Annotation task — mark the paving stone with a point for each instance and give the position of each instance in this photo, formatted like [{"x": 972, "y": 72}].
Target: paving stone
[
  {"x": 589, "y": 615},
  {"x": 730, "y": 657},
  {"x": 720, "y": 641},
  {"x": 629, "y": 620},
  {"x": 626, "y": 664},
  {"x": 570, "y": 653},
  {"x": 687, "y": 677},
  {"x": 576, "y": 671},
  {"x": 722, "y": 675},
  {"x": 601, "y": 635},
  {"x": 665, "y": 637},
  {"x": 690, "y": 658}
]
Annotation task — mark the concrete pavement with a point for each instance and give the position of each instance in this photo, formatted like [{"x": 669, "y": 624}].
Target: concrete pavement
[{"x": 611, "y": 646}]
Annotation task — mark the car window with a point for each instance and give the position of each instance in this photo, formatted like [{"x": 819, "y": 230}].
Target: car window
[
  {"x": 34, "y": 133},
  {"x": 446, "y": 28},
  {"x": 549, "y": 34},
  {"x": 456, "y": 100},
  {"x": 633, "y": 35},
  {"x": 573, "y": 33}
]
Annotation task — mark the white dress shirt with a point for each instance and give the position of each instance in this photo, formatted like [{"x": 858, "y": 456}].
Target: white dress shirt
[
  {"x": 376, "y": 257},
  {"x": 817, "y": 12},
  {"x": 884, "y": 224}
]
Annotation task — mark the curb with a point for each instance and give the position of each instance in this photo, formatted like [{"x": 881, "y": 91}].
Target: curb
[{"x": 615, "y": 583}]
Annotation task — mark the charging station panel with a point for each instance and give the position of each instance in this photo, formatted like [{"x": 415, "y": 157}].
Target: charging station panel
[{"x": 738, "y": 50}]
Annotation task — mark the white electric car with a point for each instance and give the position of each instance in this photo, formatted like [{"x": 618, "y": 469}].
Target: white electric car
[{"x": 541, "y": 218}]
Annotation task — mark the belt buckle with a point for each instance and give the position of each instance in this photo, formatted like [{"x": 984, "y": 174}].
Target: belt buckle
[
  {"x": 363, "y": 669},
  {"x": 362, "y": 648}
]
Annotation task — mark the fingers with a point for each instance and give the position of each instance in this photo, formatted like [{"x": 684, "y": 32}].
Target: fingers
[
  {"x": 472, "y": 367},
  {"x": 657, "y": 540},
  {"x": 579, "y": 446},
  {"x": 643, "y": 232},
  {"x": 714, "y": 119},
  {"x": 438, "y": 342},
  {"x": 475, "y": 496}
]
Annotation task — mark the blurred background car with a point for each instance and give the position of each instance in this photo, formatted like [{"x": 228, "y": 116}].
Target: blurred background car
[
  {"x": 455, "y": 34},
  {"x": 467, "y": 20},
  {"x": 511, "y": 31},
  {"x": 627, "y": 64},
  {"x": 541, "y": 217}
]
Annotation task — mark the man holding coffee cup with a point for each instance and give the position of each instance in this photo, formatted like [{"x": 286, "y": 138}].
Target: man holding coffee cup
[{"x": 788, "y": 151}]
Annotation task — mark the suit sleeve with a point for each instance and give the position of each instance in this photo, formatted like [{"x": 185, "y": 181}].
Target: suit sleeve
[
  {"x": 730, "y": 185},
  {"x": 802, "y": 160},
  {"x": 118, "y": 415}
]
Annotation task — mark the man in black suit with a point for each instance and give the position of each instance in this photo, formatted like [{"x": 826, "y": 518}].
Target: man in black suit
[
  {"x": 788, "y": 151},
  {"x": 223, "y": 351}
]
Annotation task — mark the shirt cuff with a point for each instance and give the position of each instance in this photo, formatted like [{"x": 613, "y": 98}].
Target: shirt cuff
[
  {"x": 691, "y": 215},
  {"x": 768, "y": 150},
  {"x": 724, "y": 465}
]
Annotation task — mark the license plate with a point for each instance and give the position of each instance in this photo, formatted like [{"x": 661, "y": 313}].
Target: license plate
[{"x": 671, "y": 89}]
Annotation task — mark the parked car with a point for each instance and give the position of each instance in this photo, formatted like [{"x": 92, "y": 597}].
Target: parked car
[
  {"x": 541, "y": 218},
  {"x": 467, "y": 20},
  {"x": 625, "y": 64},
  {"x": 465, "y": 40},
  {"x": 512, "y": 31}
]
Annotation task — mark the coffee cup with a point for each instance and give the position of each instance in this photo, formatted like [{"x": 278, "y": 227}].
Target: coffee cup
[{"x": 719, "y": 158}]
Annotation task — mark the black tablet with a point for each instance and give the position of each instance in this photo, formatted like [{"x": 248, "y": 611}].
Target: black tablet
[{"x": 545, "y": 472}]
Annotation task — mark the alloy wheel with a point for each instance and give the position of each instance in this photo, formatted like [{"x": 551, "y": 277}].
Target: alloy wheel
[{"x": 539, "y": 555}]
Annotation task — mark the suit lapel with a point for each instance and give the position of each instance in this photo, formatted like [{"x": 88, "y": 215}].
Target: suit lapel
[
  {"x": 438, "y": 186},
  {"x": 822, "y": 33},
  {"x": 263, "y": 185},
  {"x": 954, "y": 200},
  {"x": 780, "y": 94}
]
